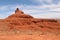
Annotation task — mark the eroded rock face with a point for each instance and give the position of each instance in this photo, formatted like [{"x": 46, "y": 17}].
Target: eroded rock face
[{"x": 20, "y": 20}]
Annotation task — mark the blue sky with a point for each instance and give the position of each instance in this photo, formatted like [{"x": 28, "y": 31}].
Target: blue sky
[{"x": 36, "y": 8}]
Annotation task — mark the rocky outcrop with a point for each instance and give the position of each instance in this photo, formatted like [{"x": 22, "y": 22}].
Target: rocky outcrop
[
  {"x": 18, "y": 11},
  {"x": 19, "y": 14},
  {"x": 20, "y": 20}
]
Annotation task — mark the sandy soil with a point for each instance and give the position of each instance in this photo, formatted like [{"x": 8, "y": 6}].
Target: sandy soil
[{"x": 29, "y": 37}]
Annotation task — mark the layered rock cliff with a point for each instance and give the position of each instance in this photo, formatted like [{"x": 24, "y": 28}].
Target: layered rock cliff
[{"x": 20, "y": 20}]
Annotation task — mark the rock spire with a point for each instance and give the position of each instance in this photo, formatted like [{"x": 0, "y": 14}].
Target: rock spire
[{"x": 18, "y": 11}]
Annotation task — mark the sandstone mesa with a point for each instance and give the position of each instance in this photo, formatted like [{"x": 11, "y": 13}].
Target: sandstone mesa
[{"x": 19, "y": 20}]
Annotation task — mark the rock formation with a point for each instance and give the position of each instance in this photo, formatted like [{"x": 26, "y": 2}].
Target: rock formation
[
  {"x": 19, "y": 14},
  {"x": 18, "y": 11},
  {"x": 20, "y": 20}
]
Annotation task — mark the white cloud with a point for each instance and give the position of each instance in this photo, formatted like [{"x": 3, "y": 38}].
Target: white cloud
[
  {"x": 48, "y": 15},
  {"x": 44, "y": 1},
  {"x": 47, "y": 1},
  {"x": 43, "y": 11}
]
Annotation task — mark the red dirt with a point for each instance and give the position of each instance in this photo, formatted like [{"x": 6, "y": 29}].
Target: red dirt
[{"x": 30, "y": 37}]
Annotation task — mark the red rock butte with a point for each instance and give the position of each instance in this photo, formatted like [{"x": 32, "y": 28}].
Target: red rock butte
[
  {"x": 20, "y": 14},
  {"x": 20, "y": 20}
]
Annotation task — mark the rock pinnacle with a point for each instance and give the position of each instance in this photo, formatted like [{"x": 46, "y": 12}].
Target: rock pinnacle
[{"x": 18, "y": 11}]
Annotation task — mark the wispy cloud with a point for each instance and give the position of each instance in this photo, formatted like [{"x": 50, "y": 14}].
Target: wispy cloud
[
  {"x": 47, "y": 1},
  {"x": 49, "y": 10},
  {"x": 44, "y": 1}
]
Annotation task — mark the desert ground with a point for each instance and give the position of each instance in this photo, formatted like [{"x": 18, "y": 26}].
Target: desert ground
[{"x": 28, "y": 35}]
